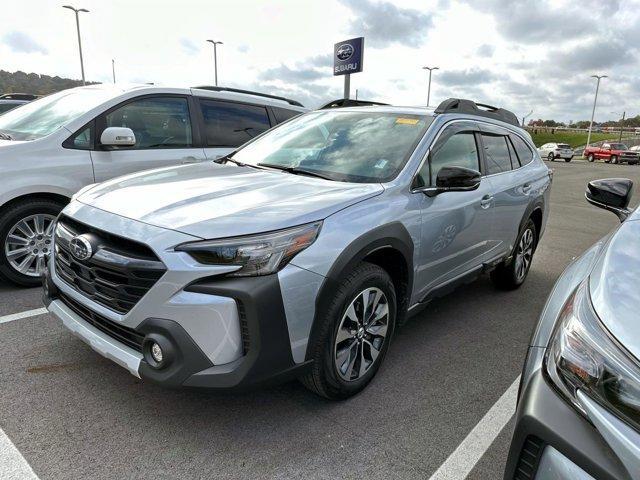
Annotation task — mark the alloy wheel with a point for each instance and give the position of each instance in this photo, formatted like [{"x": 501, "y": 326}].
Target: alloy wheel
[
  {"x": 361, "y": 334},
  {"x": 28, "y": 244},
  {"x": 524, "y": 254}
]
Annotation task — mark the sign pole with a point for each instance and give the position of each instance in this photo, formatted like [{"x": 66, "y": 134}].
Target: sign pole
[{"x": 347, "y": 86}]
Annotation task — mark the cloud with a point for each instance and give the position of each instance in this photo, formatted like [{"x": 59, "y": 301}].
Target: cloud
[
  {"x": 243, "y": 48},
  {"x": 383, "y": 23},
  {"x": 485, "y": 50},
  {"x": 310, "y": 69},
  {"x": 22, "y": 43},
  {"x": 189, "y": 47},
  {"x": 595, "y": 55},
  {"x": 474, "y": 76}
]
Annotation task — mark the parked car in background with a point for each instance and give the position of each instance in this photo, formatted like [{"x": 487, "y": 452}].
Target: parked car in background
[
  {"x": 54, "y": 146},
  {"x": 9, "y": 101},
  {"x": 303, "y": 252},
  {"x": 635, "y": 148},
  {"x": 551, "y": 151},
  {"x": 578, "y": 414},
  {"x": 612, "y": 152}
]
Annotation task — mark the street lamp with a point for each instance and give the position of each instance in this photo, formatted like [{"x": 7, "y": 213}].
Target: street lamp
[
  {"x": 431, "y": 69},
  {"x": 77, "y": 11},
  {"x": 113, "y": 69},
  {"x": 593, "y": 112},
  {"x": 624, "y": 114},
  {"x": 215, "y": 57},
  {"x": 526, "y": 116}
]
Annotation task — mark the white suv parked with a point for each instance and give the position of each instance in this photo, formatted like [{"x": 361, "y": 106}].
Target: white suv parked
[
  {"x": 54, "y": 146},
  {"x": 551, "y": 151}
]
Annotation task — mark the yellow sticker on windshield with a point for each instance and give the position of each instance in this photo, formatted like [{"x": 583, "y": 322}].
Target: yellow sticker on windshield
[{"x": 407, "y": 121}]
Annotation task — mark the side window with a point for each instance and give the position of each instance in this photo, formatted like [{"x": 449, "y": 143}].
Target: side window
[
  {"x": 459, "y": 150},
  {"x": 232, "y": 124},
  {"x": 525, "y": 154},
  {"x": 496, "y": 153},
  {"x": 82, "y": 140},
  {"x": 156, "y": 122},
  {"x": 283, "y": 114},
  {"x": 512, "y": 153}
]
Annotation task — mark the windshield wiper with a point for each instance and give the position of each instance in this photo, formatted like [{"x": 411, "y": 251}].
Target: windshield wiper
[
  {"x": 5, "y": 136},
  {"x": 297, "y": 171},
  {"x": 227, "y": 158}
]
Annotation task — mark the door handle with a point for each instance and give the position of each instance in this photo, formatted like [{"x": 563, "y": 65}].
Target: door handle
[
  {"x": 186, "y": 160},
  {"x": 486, "y": 201},
  {"x": 526, "y": 188}
]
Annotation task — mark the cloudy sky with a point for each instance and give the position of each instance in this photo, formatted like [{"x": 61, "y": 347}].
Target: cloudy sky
[{"x": 523, "y": 55}]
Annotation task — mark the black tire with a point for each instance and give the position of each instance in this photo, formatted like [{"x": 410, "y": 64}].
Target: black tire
[
  {"x": 506, "y": 275},
  {"x": 568, "y": 159},
  {"x": 591, "y": 158},
  {"x": 323, "y": 378},
  {"x": 551, "y": 157},
  {"x": 614, "y": 159},
  {"x": 8, "y": 219}
]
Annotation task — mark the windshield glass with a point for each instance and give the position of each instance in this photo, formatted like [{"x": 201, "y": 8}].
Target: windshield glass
[
  {"x": 42, "y": 117},
  {"x": 563, "y": 145},
  {"x": 363, "y": 147},
  {"x": 618, "y": 146}
]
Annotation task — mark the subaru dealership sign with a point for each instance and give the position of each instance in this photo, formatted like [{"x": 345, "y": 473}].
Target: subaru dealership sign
[{"x": 347, "y": 56}]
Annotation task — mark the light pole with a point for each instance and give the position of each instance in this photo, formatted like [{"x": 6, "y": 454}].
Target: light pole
[
  {"x": 431, "y": 69},
  {"x": 595, "y": 100},
  {"x": 624, "y": 114},
  {"x": 526, "y": 116},
  {"x": 215, "y": 57},
  {"x": 113, "y": 69},
  {"x": 77, "y": 11}
]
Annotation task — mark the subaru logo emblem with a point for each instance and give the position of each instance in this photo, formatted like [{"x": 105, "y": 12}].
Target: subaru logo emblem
[
  {"x": 344, "y": 52},
  {"x": 80, "y": 248}
]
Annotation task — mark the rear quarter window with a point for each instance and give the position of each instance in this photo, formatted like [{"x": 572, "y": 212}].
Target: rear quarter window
[
  {"x": 524, "y": 152},
  {"x": 283, "y": 114}
]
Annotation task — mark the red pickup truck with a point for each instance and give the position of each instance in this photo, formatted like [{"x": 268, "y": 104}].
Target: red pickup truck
[{"x": 612, "y": 152}]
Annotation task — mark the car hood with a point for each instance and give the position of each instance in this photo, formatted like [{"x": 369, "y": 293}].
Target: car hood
[
  {"x": 615, "y": 285},
  {"x": 215, "y": 201}
]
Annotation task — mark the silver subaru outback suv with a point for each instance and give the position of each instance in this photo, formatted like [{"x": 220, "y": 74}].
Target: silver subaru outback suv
[{"x": 299, "y": 254}]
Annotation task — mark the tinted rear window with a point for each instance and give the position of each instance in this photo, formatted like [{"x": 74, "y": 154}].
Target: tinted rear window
[
  {"x": 497, "y": 153},
  {"x": 525, "y": 154},
  {"x": 283, "y": 114},
  {"x": 230, "y": 124}
]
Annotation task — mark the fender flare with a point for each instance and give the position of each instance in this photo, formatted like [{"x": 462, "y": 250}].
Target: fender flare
[{"x": 393, "y": 235}]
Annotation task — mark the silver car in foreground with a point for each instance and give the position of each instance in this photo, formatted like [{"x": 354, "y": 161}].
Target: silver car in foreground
[
  {"x": 299, "y": 254},
  {"x": 579, "y": 406}
]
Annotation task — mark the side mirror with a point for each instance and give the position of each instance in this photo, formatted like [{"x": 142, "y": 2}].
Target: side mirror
[
  {"x": 612, "y": 194},
  {"x": 118, "y": 137},
  {"x": 454, "y": 179}
]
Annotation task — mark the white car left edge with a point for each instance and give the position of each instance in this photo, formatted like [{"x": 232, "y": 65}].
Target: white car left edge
[{"x": 52, "y": 147}]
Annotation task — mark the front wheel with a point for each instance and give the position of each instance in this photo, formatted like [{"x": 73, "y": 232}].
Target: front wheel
[
  {"x": 354, "y": 334},
  {"x": 551, "y": 157},
  {"x": 510, "y": 276},
  {"x": 591, "y": 158},
  {"x": 26, "y": 230},
  {"x": 568, "y": 159},
  {"x": 614, "y": 159}
]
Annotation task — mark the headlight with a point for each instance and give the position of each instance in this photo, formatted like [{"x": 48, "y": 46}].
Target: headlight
[
  {"x": 584, "y": 356},
  {"x": 260, "y": 254}
]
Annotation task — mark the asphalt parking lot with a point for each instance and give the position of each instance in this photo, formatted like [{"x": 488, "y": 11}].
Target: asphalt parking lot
[{"x": 73, "y": 414}]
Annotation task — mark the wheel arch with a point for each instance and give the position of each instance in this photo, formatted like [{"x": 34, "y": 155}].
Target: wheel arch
[
  {"x": 389, "y": 246},
  {"x": 56, "y": 197}
]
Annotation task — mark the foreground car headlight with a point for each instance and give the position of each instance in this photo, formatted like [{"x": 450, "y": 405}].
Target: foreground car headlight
[
  {"x": 583, "y": 356},
  {"x": 259, "y": 254}
]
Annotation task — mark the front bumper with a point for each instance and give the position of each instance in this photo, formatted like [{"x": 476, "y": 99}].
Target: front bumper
[
  {"x": 551, "y": 440},
  {"x": 267, "y": 358}
]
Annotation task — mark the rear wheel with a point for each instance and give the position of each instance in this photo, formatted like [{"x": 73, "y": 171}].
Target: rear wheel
[
  {"x": 551, "y": 157},
  {"x": 590, "y": 157},
  {"x": 26, "y": 230},
  {"x": 510, "y": 276},
  {"x": 568, "y": 159},
  {"x": 354, "y": 334}
]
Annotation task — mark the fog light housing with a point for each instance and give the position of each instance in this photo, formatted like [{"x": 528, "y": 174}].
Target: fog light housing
[{"x": 156, "y": 352}]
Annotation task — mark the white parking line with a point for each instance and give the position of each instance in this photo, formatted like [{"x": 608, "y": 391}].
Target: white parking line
[
  {"x": 27, "y": 314},
  {"x": 474, "y": 446},
  {"x": 13, "y": 466}
]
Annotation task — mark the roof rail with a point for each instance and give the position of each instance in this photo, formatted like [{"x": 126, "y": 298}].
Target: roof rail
[
  {"x": 348, "y": 102},
  {"x": 249, "y": 92},
  {"x": 18, "y": 96},
  {"x": 469, "y": 107}
]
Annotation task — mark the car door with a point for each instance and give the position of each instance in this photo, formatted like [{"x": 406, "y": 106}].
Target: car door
[
  {"x": 455, "y": 231},
  {"x": 227, "y": 124},
  {"x": 512, "y": 186},
  {"x": 165, "y": 135}
]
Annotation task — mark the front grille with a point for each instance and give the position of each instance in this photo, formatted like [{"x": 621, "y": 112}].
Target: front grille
[
  {"x": 529, "y": 459},
  {"x": 126, "y": 335},
  {"x": 244, "y": 327},
  {"x": 119, "y": 273}
]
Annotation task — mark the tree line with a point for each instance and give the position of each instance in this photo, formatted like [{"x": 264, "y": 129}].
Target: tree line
[{"x": 21, "y": 82}]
